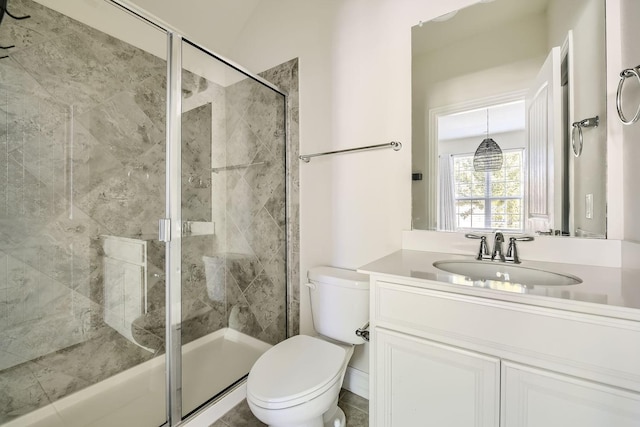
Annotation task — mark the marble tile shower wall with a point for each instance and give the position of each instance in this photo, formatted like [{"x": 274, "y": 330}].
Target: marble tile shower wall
[
  {"x": 285, "y": 76},
  {"x": 82, "y": 156},
  {"x": 256, "y": 208}
]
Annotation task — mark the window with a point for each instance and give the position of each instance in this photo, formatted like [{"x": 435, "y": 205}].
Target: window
[{"x": 489, "y": 200}]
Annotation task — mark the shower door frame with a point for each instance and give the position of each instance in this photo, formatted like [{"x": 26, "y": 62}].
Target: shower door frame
[
  {"x": 173, "y": 223},
  {"x": 170, "y": 227}
]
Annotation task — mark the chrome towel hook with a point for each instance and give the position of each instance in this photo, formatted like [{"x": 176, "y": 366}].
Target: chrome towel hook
[
  {"x": 592, "y": 122},
  {"x": 625, "y": 74}
]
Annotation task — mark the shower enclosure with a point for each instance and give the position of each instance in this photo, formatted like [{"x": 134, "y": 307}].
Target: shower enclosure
[{"x": 144, "y": 218}]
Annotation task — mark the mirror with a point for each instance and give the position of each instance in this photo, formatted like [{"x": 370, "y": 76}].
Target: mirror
[{"x": 520, "y": 72}]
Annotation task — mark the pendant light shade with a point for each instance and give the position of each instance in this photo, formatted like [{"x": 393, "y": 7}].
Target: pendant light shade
[{"x": 488, "y": 156}]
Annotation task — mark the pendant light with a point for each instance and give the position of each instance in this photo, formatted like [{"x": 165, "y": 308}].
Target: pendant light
[{"x": 488, "y": 156}]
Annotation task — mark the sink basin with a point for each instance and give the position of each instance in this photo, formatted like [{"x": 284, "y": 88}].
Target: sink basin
[{"x": 510, "y": 273}]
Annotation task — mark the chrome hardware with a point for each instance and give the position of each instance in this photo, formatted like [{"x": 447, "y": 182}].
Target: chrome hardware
[
  {"x": 483, "y": 252},
  {"x": 393, "y": 144},
  {"x": 512, "y": 251},
  {"x": 497, "y": 247},
  {"x": 363, "y": 332},
  {"x": 625, "y": 74},
  {"x": 592, "y": 122}
]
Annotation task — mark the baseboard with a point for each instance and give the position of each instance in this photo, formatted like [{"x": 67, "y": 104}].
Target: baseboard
[
  {"x": 216, "y": 410},
  {"x": 356, "y": 382}
]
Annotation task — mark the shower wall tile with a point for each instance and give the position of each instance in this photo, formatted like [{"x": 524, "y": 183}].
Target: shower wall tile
[
  {"x": 56, "y": 385},
  {"x": 243, "y": 143},
  {"x": 276, "y": 269},
  {"x": 49, "y": 61},
  {"x": 215, "y": 278},
  {"x": 44, "y": 24},
  {"x": 266, "y": 300},
  {"x": 22, "y": 100},
  {"x": 276, "y": 331},
  {"x": 236, "y": 241},
  {"x": 276, "y": 205},
  {"x": 20, "y": 400},
  {"x": 122, "y": 126},
  {"x": 72, "y": 174},
  {"x": 151, "y": 97},
  {"x": 264, "y": 179},
  {"x": 244, "y": 268},
  {"x": 264, "y": 236},
  {"x": 256, "y": 202},
  {"x": 241, "y": 317},
  {"x": 241, "y": 207},
  {"x": 196, "y": 164}
]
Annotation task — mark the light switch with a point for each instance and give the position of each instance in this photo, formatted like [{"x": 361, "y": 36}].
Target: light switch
[{"x": 588, "y": 206}]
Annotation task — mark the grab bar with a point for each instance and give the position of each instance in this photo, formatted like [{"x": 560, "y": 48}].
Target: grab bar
[
  {"x": 592, "y": 122},
  {"x": 393, "y": 144},
  {"x": 624, "y": 75}
]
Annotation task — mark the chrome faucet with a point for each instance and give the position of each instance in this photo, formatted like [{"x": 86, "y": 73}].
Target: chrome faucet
[
  {"x": 498, "y": 252},
  {"x": 497, "y": 247}
]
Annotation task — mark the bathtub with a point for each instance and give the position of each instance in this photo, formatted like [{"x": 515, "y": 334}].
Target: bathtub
[{"x": 136, "y": 397}]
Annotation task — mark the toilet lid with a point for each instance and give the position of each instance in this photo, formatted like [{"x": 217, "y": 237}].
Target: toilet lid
[{"x": 294, "y": 371}]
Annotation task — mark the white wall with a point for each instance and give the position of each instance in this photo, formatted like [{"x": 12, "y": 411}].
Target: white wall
[{"x": 355, "y": 89}]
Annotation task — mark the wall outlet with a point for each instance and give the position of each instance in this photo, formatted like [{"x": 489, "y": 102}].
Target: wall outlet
[{"x": 588, "y": 206}]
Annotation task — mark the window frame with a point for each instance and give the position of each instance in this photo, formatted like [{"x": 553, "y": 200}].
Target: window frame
[{"x": 488, "y": 198}]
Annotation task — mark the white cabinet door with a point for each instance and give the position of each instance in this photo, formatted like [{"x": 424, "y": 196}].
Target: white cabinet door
[
  {"x": 536, "y": 398},
  {"x": 423, "y": 383}
]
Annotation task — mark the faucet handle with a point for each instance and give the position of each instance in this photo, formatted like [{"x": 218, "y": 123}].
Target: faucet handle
[
  {"x": 512, "y": 251},
  {"x": 483, "y": 252},
  {"x": 521, "y": 239},
  {"x": 474, "y": 236}
]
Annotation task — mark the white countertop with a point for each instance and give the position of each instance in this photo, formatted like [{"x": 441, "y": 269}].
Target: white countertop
[{"x": 605, "y": 291}]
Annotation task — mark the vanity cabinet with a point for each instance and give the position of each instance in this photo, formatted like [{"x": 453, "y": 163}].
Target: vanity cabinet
[
  {"x": 536, "y": 398},
  {"x": 449, "y": 359},
  {"x": 431, "y": 384}
]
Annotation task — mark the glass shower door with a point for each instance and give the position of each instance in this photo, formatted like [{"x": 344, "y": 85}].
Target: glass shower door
[
  {"x": 233, "y": 251},
  {"x": 82, "y": 138}
]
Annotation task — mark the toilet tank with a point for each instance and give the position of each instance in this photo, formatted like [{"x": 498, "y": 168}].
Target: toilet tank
[{"x": 339, "y": 302}]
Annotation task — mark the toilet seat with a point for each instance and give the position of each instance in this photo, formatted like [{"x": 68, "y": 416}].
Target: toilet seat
[{"x": 295, "y": 371}]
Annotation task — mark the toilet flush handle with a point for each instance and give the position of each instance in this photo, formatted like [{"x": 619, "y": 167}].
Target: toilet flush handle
[{"x": 363, "y": 332}]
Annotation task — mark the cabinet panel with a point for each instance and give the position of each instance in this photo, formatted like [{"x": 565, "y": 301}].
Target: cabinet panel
[
  {"x": 419, "y": 382},
  {"x": 530, "y": 335},
  {"x": 536, "y": 398}
]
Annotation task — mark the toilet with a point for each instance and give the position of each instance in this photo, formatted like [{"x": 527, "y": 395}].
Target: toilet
[{"x": 296, "y": 383}]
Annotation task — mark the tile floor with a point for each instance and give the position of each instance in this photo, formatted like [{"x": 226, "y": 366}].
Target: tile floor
[{"x": 355, "y": 408}]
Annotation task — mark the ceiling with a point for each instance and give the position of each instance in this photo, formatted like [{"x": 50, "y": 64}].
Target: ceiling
[
  {"x": 501, "y": 118},
  {"x": 471, "y": 20},
  {"x": 214, "y": 24}
]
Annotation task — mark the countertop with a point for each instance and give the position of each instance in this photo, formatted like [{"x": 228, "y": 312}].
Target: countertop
[{"x": 605, "y": 291}]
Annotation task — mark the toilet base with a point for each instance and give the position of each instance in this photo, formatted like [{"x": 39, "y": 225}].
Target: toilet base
[{"x": 336, "y": 419}]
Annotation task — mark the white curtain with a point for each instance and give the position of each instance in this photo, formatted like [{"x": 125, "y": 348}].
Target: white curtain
[{"x": 447, "y": 200}]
